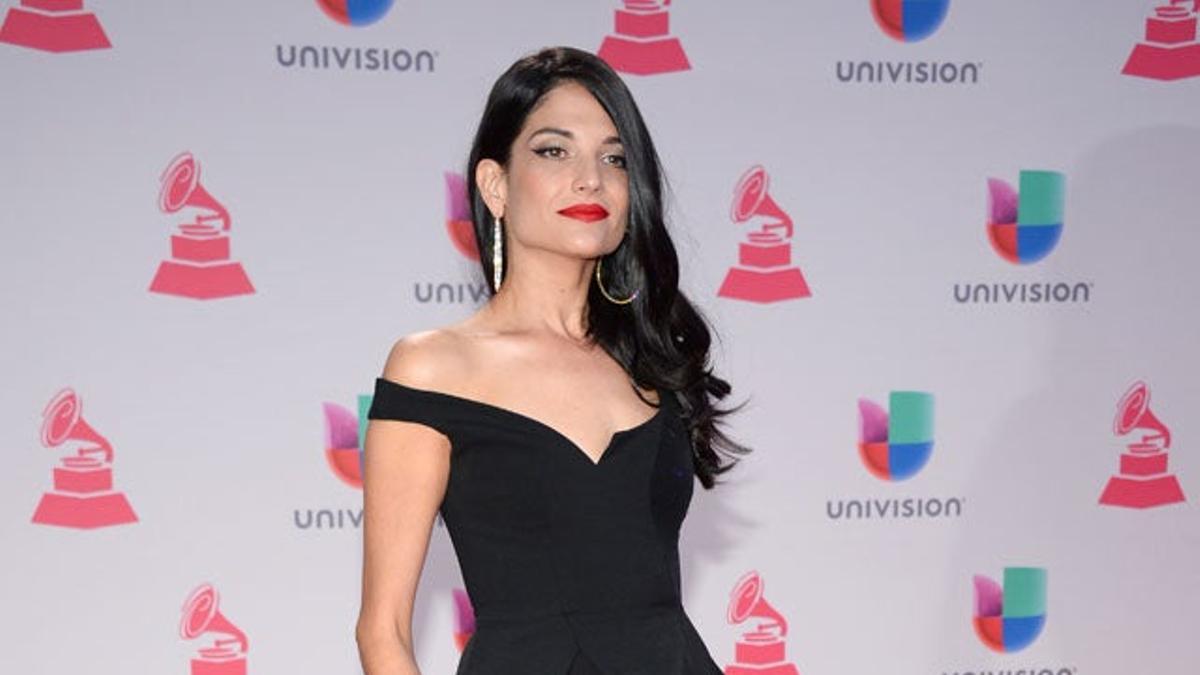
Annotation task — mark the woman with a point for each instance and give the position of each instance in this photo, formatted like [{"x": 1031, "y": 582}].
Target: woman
[{"x": 559, "y": 428}]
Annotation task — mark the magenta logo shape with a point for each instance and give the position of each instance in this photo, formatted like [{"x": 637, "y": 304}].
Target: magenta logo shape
[
  {"x": 1170, "y": 50},
  {"x": 761, "y": 650},
  {"x": 458, "y": 216},
  {"x": 200, "y": 265},
  {"x": 83, "y": 496},
  {"x": 464, "y": 619},
  {"x": 345, "y": 432},
  {"x": 53, "y": 26},
  {"x": 641, "y": 42},
  {"x": 201, "y": 614},
  {"x": 764, "y": 272},
  {"x": 1144, "y": 480}
]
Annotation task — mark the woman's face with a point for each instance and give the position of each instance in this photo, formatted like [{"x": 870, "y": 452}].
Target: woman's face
[{"x": 565, "y": 186}]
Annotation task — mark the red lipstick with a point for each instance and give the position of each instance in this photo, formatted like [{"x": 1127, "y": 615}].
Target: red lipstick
[{"x": 586, "y": 212}]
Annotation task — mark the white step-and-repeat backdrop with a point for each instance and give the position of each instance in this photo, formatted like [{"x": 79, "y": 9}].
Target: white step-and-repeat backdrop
[{"x": 949, "y": 248}]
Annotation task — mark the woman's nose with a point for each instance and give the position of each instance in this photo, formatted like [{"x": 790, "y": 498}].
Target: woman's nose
[{"x": 587, "y": 179}]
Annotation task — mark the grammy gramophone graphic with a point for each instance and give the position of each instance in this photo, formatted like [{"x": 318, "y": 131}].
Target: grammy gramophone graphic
[
  {"x": 1171, "y": 50},
  {"x": 642, "y": 43},
  {"x": 760, "y": 651},
  {"x": 1144, "y": 480},
  {"x": 200, "y": 265},
  {"x": 764, "y": 272},
  {"x": 201, "y": 614},
  {"x": 83, "y": 495},
  {"x": 53, "y": 26}
]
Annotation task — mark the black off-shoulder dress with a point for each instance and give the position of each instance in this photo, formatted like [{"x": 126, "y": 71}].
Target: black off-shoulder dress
[{"x": 572, "y": 566}]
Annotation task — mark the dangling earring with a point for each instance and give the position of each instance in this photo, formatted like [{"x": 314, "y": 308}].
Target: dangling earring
[
  {"x": 600, "y": 285},
  {"x": 497, "y": 254}
]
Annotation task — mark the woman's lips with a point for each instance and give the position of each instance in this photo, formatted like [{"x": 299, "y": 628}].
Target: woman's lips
[{"x": 585, "y": 212}]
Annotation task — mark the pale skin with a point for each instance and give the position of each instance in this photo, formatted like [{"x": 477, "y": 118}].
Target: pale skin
[{"x": 525, "y": 350}]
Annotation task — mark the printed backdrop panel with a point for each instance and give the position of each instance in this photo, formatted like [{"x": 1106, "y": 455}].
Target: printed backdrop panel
[{"x": 945, "y": 247}]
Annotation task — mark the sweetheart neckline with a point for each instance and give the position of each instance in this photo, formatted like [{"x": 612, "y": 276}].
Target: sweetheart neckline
[{"x": 612, "y": 439}]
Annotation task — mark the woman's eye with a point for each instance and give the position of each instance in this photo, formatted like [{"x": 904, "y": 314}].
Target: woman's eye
[
  {"x": 551, "y": 151},
  {"x": 616, "y": 160}
]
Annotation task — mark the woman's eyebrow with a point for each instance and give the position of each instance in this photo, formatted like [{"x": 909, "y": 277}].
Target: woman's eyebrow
[
  {"x": 611, "y": 140},
  {"x": 553, "y": 130}
]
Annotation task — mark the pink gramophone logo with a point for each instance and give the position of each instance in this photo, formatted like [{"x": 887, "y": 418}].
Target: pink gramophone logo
[
  {"x": 1144, "y": 480},
  {"x": 642, "y": 43},
  {"x": 1170, "y": 50},
  {"x": 53, "y": 26},
  {"x": 200, "y": 265},
  {"x": 83, "y": 496},
  {"x": 764, "y": 272},
  {"x": 201, "y": 614},
  {"x": 760, "y": 651}
]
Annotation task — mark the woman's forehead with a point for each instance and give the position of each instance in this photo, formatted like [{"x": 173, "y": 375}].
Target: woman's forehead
[{"x": 570, "y": 107}]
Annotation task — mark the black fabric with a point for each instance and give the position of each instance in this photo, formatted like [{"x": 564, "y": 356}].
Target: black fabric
[
  {"x": 582, "y": 666},
  {"x": 562, "y": 555}
]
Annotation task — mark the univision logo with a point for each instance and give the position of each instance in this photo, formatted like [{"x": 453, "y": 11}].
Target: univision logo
[
  {"x": 461, "y": 232},
  {"x": 357, "y": 14},
  {"x": 1024, "y": 225},
  {"x": 909, "y": 20},
  {"x": 894, "y": 444},
  {"x": 343, "y": 448},
  {"x": 345, "y": 432},
  {"x": 458, "y": 216},
  {"x": 464, "y": 618},
  {"x": 1010, "y": 617}
]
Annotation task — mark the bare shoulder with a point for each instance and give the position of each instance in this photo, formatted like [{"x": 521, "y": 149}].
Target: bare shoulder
[{"x": 433, "y": 359}]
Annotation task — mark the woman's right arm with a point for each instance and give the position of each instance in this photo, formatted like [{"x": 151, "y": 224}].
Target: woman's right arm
[{"x": 405, "y": 470}]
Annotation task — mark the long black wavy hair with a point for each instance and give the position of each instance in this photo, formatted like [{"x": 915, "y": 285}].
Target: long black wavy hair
[{"x": 660, "y": 338}]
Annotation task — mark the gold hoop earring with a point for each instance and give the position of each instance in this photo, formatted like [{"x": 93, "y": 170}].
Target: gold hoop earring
[
  {"x": 600, "y": 285},
  {"x": 497, "y": 254}
]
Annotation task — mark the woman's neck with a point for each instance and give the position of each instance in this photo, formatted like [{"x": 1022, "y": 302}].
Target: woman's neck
[{"x": 545, "y": 294}]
